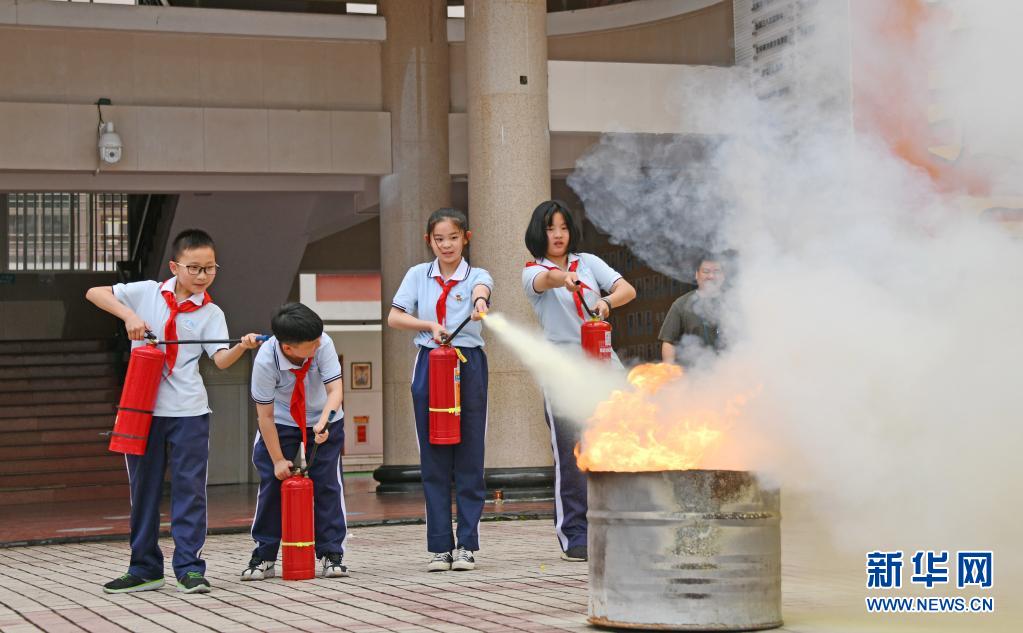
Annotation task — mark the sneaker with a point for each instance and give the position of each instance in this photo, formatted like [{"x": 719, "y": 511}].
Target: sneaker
[
  {"x": 440, "y": 562},
  {"x": 575, "y": 554},
  {"x": 193, "y": 582},
  {"x": 333, "y": 567},
  {"x": 129, "y": 583},
  {"x": 258, "y": 569},
  {"x": 463, "y": 560}
]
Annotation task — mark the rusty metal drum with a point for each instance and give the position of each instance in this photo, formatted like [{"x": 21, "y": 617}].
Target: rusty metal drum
[{"x": 687, "y": 550}]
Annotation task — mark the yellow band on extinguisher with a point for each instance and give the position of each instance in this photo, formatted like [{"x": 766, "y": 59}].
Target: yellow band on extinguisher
[
  {"x": 460, "y": 356},
  {"x": 455, "y": 410},
  {"x": 299, "y": 544}
]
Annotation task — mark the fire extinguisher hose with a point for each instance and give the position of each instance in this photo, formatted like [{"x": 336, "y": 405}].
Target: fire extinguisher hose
[
  {"x": 593, "y": 313},
  {"x": 450, "y": 337},
  {"x": 312, "y": 457},
  {"x": 446, "y": 340},
  {"x": 153, "y": 340}
]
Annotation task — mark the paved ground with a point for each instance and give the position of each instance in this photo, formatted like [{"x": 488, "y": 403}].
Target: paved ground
[{"x": 520, "y": 585}]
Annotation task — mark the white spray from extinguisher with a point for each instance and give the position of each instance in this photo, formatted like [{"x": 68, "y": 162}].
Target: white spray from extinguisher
[{"x": 574, "y": 382}]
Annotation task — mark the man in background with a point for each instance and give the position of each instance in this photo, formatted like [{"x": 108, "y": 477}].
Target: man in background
[{"x": 692, "y": 322}]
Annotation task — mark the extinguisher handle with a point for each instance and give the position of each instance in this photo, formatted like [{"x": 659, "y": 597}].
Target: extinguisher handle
[
  {"x": 312, "y": 458},
  {"x": 450, "y": 337}
]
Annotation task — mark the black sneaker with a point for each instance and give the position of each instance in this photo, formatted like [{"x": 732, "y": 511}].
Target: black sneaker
[
  {"x": 463, "y": 560},
  {"x": 440, "y": 562},
  {"x": 575, "y": 554},
  {"x": 258, "y": 569},
  {"x": 129, "y": 583},
  {"x": 333, "y": 567},
  {"x": 193, "y": 582}
]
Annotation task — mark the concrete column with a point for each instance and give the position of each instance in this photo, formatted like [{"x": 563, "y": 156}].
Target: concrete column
[
  {"x": 417, "y": 93},
  {"x": 3, "y": 233},
  {"x": 509, "y": 174}
]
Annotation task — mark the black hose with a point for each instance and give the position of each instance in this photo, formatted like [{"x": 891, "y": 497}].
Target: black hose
[
  {"x": 593, "y": 313},
  {"x": 312, "y": 457},
  {"x": 451, "y": 337},
  {"x": 228, "y": 341}
]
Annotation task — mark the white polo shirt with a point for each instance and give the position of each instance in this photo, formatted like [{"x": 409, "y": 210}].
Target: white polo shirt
[
  {"x": 419, "y": 291},
  {"x": 273, "y": 382},
  {"x": 182, "y": 394},
  {"x": 555, "y": 308}
]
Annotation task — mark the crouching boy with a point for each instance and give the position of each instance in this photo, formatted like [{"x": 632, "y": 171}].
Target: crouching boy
[{"x": 296, "y": 379}]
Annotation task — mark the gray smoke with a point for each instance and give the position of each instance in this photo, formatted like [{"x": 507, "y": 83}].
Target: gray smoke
[
  {"x": 877, "y": 314},
  {"x": 634, "y": 183}
]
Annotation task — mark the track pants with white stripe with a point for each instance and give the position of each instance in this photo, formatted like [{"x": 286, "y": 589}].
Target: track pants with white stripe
[
  {"x": 330, "y": 523},
  {"x": 463, "y": 461},
  {"x": 569, "y": 481},
  {"x": 183, "y": 444}
]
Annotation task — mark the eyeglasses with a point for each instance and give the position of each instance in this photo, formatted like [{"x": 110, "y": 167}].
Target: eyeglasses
[{"x": 194, "y": 270}]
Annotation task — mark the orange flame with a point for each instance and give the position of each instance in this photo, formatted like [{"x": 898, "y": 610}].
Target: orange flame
[{"x": 633, "y": 432}]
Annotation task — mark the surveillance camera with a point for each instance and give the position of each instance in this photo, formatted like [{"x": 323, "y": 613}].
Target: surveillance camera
[{"x": 110, "y": 145}]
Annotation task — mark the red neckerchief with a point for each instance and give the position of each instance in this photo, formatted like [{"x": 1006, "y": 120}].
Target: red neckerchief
[
  {"x": 442, "y": 303},
  {"x": 170, "y": 329},
  {"x": 298, "y": 396},
  {"x": 572, "y": 267}
]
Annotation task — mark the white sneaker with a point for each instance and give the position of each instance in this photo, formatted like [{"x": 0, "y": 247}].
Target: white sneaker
[
  {"x": 440, "y": 562},
  {"x": 463, "y": 560},
  {"x": 333, "y": 567},
  {"x": 258, "y": 569}
]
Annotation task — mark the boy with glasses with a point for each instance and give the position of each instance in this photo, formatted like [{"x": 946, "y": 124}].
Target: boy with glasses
[{"x": 180, "y": 308}]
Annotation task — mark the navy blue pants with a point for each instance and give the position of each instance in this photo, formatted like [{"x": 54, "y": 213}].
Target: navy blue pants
[
  {"x": 184, "y": 445},
  {"x": 329, "y": 522},
  {"x": 569, "y": 481},
  {"x": 463, "y": 461}
]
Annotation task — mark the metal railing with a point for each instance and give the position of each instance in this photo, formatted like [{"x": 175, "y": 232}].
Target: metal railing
[
  {"x": 66, "y": 231},
  {"x": 146, "y": 214}
]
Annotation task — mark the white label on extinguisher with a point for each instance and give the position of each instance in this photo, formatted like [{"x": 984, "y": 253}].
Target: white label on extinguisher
[
  {"x": 607, "y": 338},
  {"x": 458, "y": 389}
]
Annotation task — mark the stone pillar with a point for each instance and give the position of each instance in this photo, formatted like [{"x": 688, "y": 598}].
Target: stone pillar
[
  {"x": 417, "y": 93},
  {"x": 509, "y": 174}
]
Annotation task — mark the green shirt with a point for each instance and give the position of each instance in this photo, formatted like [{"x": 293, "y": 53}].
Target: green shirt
[{"x": 692, "y": 315}]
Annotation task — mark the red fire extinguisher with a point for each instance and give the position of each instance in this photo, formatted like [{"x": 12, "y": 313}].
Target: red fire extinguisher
[
  {"x": 135, "y": 410},
  {"x": 446, "y": 391},
  {"x": 141, "y": 383},
  {"x": 596, "y": 334},
  {"x": 298, "y": 538}
]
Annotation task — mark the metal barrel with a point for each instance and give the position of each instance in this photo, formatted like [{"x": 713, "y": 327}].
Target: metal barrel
[{"x": 686, "y": 550}]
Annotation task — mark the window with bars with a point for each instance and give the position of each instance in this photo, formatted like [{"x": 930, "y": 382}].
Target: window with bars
[{"x": 66, "y": 231}]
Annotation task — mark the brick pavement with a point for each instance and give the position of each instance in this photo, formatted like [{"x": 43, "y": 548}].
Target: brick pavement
[{"x": 520, "y": 585}]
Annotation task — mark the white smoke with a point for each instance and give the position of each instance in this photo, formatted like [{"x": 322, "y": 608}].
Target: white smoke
[
  {"x": 573, "y": 383},
  {"x": 880, "y": 319}
]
